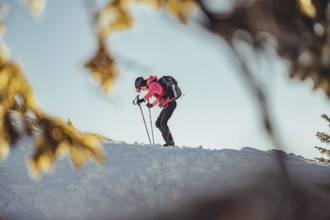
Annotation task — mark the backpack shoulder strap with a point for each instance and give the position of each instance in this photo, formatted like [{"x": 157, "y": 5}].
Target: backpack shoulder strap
[{"x": 155, "y": 80}]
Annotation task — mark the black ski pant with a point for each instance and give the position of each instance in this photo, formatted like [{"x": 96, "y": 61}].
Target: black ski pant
[{"x": 162, "y": 120}]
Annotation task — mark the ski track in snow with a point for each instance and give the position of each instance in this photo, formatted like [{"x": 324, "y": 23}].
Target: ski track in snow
[{"x": 136, "y": 180}]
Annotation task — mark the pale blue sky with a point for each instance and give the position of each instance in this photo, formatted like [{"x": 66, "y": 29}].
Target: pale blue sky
[{"x": 217, "y": 110}]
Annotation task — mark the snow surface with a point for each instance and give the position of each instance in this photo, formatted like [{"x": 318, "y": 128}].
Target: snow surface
[{"x": 136, "y": 181}]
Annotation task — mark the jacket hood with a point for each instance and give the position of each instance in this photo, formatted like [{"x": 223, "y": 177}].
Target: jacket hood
[{"x": 151, "y": 79}]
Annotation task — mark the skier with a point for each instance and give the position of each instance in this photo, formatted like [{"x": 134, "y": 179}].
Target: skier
[{"x": 167, "y": 104}]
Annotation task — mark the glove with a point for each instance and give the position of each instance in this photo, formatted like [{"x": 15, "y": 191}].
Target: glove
[
  {"x": 149, "y": 105},
  {"x": 139, "y": 101}
]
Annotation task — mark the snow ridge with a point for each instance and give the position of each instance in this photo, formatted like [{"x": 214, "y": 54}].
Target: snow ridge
[{"x": 136, "y": 180}]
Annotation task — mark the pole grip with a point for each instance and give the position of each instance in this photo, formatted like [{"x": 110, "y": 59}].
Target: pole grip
[{"x": 135, "y": 101}]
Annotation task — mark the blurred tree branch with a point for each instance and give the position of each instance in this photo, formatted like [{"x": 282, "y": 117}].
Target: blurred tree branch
[
  {"x": 301, "y": 30},
  {"x": 17, "y": 102}
]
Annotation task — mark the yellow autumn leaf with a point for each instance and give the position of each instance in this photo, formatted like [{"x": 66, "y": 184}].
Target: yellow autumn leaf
[
  {"x": 102, "y": 68},
  {"x": 4, "y": 148},
  {"x": 307, "y": 8},
  {"x": 36, "y": 7},
  {"x": 57, "y": 139},
  {"x": 45, "y": 162},
  {"x": 152, "y": 3},
  {"x": 113, "y": 17},
  {"x": 2, "y": 29},
  {"x": 180, "y": 8},
  {"x": 78, "y": 157}
]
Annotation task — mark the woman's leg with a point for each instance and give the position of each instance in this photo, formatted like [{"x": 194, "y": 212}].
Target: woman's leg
[
  {"x": 158, "y": 121},
  {"x": 158, "y": 124},
  {"x": 164, "y": 117}
]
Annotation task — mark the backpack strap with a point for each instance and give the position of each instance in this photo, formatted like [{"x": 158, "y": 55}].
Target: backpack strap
[
  {"x": 165, "y": 95},
  {"x": 155, "y": 80}
]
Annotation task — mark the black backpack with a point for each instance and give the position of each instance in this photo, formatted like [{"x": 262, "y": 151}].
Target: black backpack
[{"x": 170, "y": 85}]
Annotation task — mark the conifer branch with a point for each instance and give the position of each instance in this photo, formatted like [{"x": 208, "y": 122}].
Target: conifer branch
[{"x": 324, "y": 138}]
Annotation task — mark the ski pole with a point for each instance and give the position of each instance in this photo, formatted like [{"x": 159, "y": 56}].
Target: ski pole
[
  {"x": 145, "y": 124},
  {"x": 152, "y": 130}
]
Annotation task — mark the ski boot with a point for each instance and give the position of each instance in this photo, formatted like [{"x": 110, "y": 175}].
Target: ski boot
[{"x": 169, "y": 143}]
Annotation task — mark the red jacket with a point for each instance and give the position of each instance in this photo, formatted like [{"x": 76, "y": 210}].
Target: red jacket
[{"x": 156, "y": 90}]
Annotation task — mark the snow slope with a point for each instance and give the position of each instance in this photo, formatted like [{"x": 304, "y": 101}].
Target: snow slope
[{"x": 137, "y": 181}]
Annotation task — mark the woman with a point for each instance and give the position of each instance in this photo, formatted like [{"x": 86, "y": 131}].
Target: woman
[{"x": 168, "y": 105}]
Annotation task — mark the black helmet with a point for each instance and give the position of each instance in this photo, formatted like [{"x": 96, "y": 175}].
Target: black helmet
[{"x": 140, "y": 82}]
